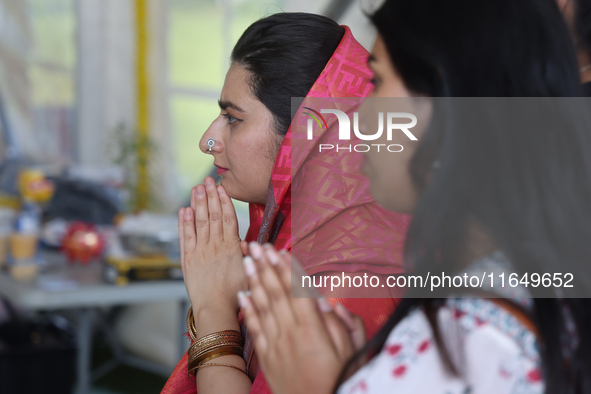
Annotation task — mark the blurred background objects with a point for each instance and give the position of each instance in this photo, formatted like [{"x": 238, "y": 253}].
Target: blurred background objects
[{"x": 102, "y": 106}]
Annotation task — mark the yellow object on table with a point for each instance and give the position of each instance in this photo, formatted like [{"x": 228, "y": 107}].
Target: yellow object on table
[
  {"x": 34, "y": 187},
  {"x": 120, "y": 270},
  {"x": 24, "y": 272},
  {"x": 23, "y": 246}
]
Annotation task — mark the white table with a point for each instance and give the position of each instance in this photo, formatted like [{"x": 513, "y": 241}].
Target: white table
[{"x": 91, "y": 294}]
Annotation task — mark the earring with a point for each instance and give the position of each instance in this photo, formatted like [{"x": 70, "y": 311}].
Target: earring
[{"x": 210, "y": 144}]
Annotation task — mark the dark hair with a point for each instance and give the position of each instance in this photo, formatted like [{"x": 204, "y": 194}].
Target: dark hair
[
  {"x": 536, "y": 214},
  {"x": 285, "y": 53},
  {"x": 583, "y": 23}
]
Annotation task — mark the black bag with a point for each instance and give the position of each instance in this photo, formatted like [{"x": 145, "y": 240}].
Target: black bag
[
  {"x": 84, "y": 201},
  {"x": 36, "y": 356}
]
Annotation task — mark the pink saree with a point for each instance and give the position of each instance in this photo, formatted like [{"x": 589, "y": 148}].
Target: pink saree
[{"x": 355, "y": 235}]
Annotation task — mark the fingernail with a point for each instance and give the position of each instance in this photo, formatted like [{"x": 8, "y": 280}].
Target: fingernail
[
  {"x": 187, "y": 213},
  {"x": 255, "y": 250},
  {"x": 272, "y": 256},
  {"x": 283, "y": 251},
  {"x": 345, "y": 315},
  {"x": 242, "y": 299},
  {"x": 324, "y": 305},
  {"x": 249, "y": 267},
  {"x": 220, "y": 190},
  {"x": 208, "y": 183}
]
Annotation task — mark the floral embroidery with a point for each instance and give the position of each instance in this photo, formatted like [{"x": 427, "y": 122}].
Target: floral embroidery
[
  {"x": 360, "y": 387},
  {"x": 424, "y": 345},
  {"x": 392, "y": 350},
  {"x": 476, "y": 311},
  {"x": 399, "y": 371},
  {"x": 534, "y": 375}
]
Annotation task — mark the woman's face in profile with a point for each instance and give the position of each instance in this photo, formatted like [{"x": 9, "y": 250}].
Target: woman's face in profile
[
  {"x": 390, "y": 181},
  {"x": 246, "y": 143}
]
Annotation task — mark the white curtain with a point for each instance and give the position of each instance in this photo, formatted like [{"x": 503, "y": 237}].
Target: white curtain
[{"x": 15, "y": 46}]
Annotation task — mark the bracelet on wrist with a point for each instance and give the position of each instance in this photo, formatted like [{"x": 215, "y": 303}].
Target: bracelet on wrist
[{"x": 209, "y": 347}]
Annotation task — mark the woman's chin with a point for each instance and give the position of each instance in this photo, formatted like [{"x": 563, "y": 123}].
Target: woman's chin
[
  {"x": 227, "y": 187},
  {"x": 237, "y": 192},
  {"x": 230, "y": 190}
]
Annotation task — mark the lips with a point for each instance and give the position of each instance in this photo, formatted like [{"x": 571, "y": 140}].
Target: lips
[{"x": 221, "y": 170}]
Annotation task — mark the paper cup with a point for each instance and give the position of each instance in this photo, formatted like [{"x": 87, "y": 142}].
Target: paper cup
[
  {"x": 23, "y": 246},
  {"x": 24, "y": 272}
]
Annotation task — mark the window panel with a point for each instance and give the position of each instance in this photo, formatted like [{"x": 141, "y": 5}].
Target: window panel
[
  {"x": 52, "y": 76},
  {"x": 53, "y": 26},
  {"x": 195, "y": 45}
]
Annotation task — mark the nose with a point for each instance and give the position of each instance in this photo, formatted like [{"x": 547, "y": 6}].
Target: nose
[{"x": 213, "y": 132}]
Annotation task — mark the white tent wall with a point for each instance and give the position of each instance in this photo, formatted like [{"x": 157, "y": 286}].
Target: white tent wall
[
  {"x": 15, "y": 47},
  {"x": 163, "y": 166},
  {"x": 107, "y": 87},
  {"x": 105, "y": 76}
]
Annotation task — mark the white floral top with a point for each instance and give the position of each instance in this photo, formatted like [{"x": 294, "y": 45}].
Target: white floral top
[{"x": 492, "y": 350}]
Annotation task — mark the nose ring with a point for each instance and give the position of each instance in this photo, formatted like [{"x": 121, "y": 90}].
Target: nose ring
[{"x": 210, "y": 144}]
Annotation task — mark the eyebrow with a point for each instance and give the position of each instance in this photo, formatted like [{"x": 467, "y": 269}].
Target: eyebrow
[{"x": 228, "y": 104}]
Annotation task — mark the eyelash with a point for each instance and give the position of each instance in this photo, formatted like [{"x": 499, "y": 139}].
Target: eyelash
[{"x": 231, "y": 119}]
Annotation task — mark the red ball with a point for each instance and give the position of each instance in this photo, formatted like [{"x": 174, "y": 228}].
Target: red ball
[{"x": 82, "y": 243}]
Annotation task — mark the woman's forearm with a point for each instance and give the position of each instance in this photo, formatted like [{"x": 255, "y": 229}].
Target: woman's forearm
[
  {"x": 220, "y": 379},
  {"x": 224, "y": 379}
]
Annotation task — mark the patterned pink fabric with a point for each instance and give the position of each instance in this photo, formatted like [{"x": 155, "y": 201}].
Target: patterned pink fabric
[{"x": 344, "y": 230}]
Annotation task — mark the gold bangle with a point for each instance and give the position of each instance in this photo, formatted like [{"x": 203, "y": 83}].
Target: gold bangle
[
  {"x": 198, "y": 347},
  {"x": 202, "y": 354},
  {"x": 211, "y": 346},
  {"x": 191, "y": 324},
  {"x": 213, "y": 356},
  {"x": 194, "y": 365},
  {"x": 221, "y": 340},
  {"x": 191, "y": 366},
  {"x": 230, "y": 347},
  {"x": 217, "y": 365},
  {"x": 195, "y": 346},
  {"x": 214, "y": 339},
  {"x": 193, "y": 330},
  {"x": 220, "y": 335}
]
